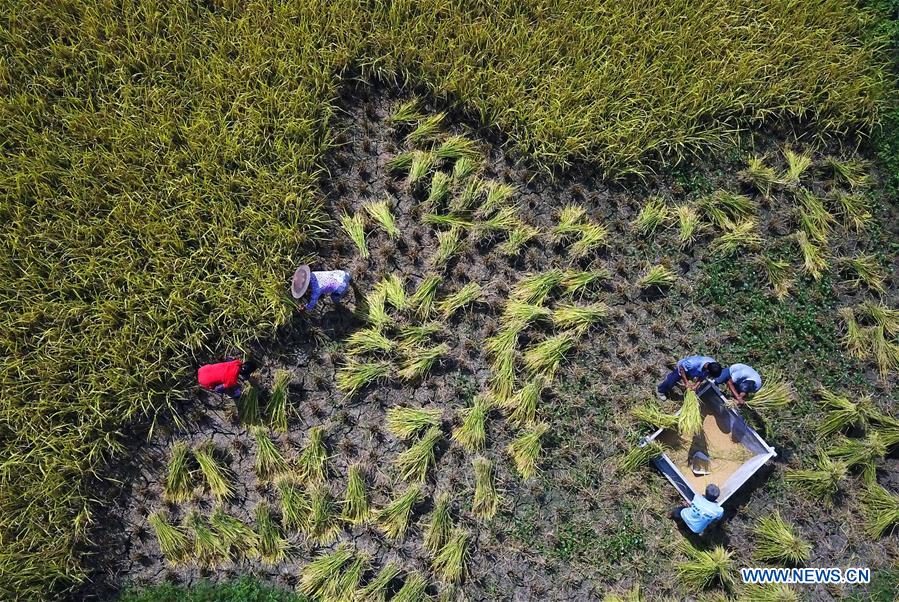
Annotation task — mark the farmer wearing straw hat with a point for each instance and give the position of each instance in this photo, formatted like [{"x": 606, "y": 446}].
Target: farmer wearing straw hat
[{"x": 335, "y": 282}]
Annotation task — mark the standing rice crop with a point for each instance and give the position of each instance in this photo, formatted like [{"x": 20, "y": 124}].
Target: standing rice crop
[
  {"x": 355, "y": 228},
  {"x": 356, "y": 508},
  {"x": 657, "y": 276},
  {"x": 269, "y": 461},
  {"x": 173, "y": 542},
  {"x": 776, "y": 541},
  {"x": 451, "y": 562},
  {"x": 544, "y": 358},
  {"x": 377, "y": 589},
  {"x": 705, "y": 567},
  {"x": 237, "y": 537},
  {"x": 440, "y": 525},
  {"x": 422, "y": 300},
  {"x": 640, "y": 455},
  {"x": 217, "y": 476},
  {"x": 277, "y": 403},
  {"x": 178, "y": 480},
  {"x": 272, "y": 545},
  {"x": 393, "y": 519},
  {"x": 823, "y": 481},
  {"x": 881, "y": 509},
  {"x": 248, "y": 406},
  {"x": 295, "y": 505},
  {"x": 322, "y": 524},
  {"x": 414, "y": 462},
  {"x": 689, "y": 420},
  {"x": 320, "y": 575},
  {"x": 486, "y": 499},
  {"x": 405, "y": 423},
  {"x": 354, "y": 375},
  {"x": 311, "y": 463},
  {"x": 419, "y": 361},
  {"x": 653, "y": 215},
  {"x": 472, "y": 433},
  {"x": 380, "y": 212},
  {"x": 526, "y": 448},
  {"x": 467, "y": 295}
]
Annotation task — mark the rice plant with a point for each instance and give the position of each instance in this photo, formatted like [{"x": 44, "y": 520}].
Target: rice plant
[
  {"x": 469, "y": 195},
  {"x": 855, "y": 340},
  {"x": 657, "y": 276},
  {"x": 467, "y": 295},
  {"x": 272, "y": 545},
  {"x": 269, "y": 461},
  {"x": 354, "y": 375},
  {"x": 440, "y": 187},
  {"x": 368, "y": 340},
  {"x": 346, "y": 584},
  {"x": 248, "y": 406},
  {"x": 797, "y": 164},
  {"x": 570, "y": 219},
  {"x": 842, "y": 414},
  {"x": 778, "y": 272},
  {"x": 633, "y": 595},
  {"x": 449, "y": 244},
  {"x": 502, "y": 379},
  {"x": 440, "y": 525},
  {"x": 419, "y": 361},
  {"x": 519, "y": 236},
  {"x": 591, "y": 236},
  {"x": 777, "y": 393},
  {"x": 852, "y": 172},
  {"x": 881, "y": 509},
  {"x": 486, "y": 499},
  {"x": 208, "y": 546},
  {"x": 413, "y": 590},
  {"x": 777, "y": 542},
  {"x": 311, "y": 463},
  {"x": 861, "y": 453},
  {"x": 535, "y": 288},
  {"x": 414, "y": 462},
  {"x": 217, "y": 476},
  {"x": 501, "y": 222},
  {"x": 356, "y": 508},
  {"x": 401, "y": 163},
  {"x": 769, "y": 593},
  {"x": 814, "y": 216},
  {"x": 689, "y": 419},
  {"x": 724, "y": 208},
  {"x": 740, "y": 235},
  {"x": 575, "y": 282},
  {"x": 355, "y": 228},
  {"x": 322, "y": 525},
  {"x": 406, "y": 112},
  {"x": 420, "y": 166},
  {"x": 295, "y": 506},
  {"x": 320, "y": 575},
  {"x": 422, "y": 300},
  {"x": 652, "y": 415},
  {"x": 885, "y": 351},
  {"x": 449, "y": 220},
  {"x": 374, "y": 308},
  {"x": 427, "y": 129},
  {"x": 497, "y": 196},
  {"x": 640, "y": 455},
  {"x": 868, "y": 272},
  {"x": 451, "y": 562},
  {"x": 377, "y": 589},
  {"x": 456, "y": 148},
  {"x": 813, "y": 256},
  {"x": 380, "y": 212},
  {"x": 524, "y": 403},
  {"x": 525, "y": 450},
  {"x": 277, "y": 402},
  {"x": 237, "y": 537},
  {"x": 653, "y": 215},
  {"x": 393, "y": 519},
  {"x": 178, "y": 480},
  {"x": 173, "y": 542},
  {"x": 821, "y": 482},
  {"x": 519, "y": 315},
  {"x": 579, "y": 318},
  {"x": 689, "y": 225},
  {"x": 705, "y": 567},
  {"x": 762, "y": 177},
  {"x": 394, "y": 291},
  {"x": 405, "y": 423},
  {"x": 855, "y": 209},
  {"x": 545, "y": 357},
  {"x": 883, "y": 316},
  {"x": 464, "y": 167},
  {"x": 472, "y": 433}
]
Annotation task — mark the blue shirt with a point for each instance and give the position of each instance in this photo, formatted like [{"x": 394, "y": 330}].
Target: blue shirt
[
  {"x": 746, "y": 380},
  {"x": 700, "y": 513},
  {"x": 693, "y": 365},
  {"x": 322, "y": 283}
]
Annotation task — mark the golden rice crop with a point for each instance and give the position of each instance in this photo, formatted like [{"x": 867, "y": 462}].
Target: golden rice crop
[{"x": 689, "y": 420}]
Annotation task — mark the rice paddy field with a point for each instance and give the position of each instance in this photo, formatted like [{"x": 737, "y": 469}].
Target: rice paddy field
[{"x": 542, "y": 204}]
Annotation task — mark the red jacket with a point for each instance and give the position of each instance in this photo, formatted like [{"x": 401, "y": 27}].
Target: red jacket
[{"x": 223, "y": 373}]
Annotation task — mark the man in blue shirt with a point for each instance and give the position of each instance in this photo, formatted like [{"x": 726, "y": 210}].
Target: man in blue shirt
[
  {"x": 742, "y": 381},
  {"x": 701, "y": 512},
  {"x": 691, "y": 371}
]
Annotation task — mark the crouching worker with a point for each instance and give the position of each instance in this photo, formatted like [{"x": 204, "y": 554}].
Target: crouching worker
[
  {"x": 334, "y": 282},
  {"x": 702, "y": 511},
  {"x": 742, "y": 381},
  {"x": 690, "y": 371},
  {"x": 224, "y": 377}
]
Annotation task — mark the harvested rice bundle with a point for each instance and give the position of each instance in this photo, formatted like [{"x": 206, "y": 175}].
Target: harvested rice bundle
[
  {"x": 689, "y": 420},
  {"x": 640, "y": 455}
]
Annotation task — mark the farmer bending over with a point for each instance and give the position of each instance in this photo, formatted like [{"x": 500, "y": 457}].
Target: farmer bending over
[
  {"x": 701, "y": 512},
  {"x": 691, "y": 371},
  {"x": 224, "y": 377},
  {"x": 335, "y": 282},
  {"x": 742, "y": 381}
]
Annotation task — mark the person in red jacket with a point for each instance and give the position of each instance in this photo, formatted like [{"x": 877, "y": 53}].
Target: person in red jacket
[{"x": 224, "y": 377}]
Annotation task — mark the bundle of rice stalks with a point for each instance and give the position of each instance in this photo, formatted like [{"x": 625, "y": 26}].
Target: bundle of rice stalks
[
  {"x": 322, "y": 524},
  {"x": 467, "y": 295},
  {"x": 449, "y": 220},
  {"x": 570, "y": 218},
  {"x": 377, "y": 589},
  {"x": 500, "y": 223},
  {"x": 427, "y": 129},
  {"x": 741, "y": 235},
  {"x": 248, "y": 406},
  {"x": 640, "y": 456},
  {"x": 506, "y": 339},
  {"x": 526, "y": 448},
  {"x": 852, "y": 172},
  {"x": 777, "y": 542},
  {"x": 456, "y": 148},
  {"x": 216, "y": 475},
  {"x": 545, "y": 357},
  {"x": 723, "y": 208},
  {"x": 420, "y": 165},
  {"x": 769, "y": 593},
  {"x": 295, "y": 506},
  {"x": 368, "y": 340},
  {"x": 502, "y": 379},
  {"x": 591, "y": 236},
  {"x": 653, "y": 214},
  {"x": 173, "y": 542},
  {"x": 440, "y": 187},
  {"x": 633, "y": 595},
  {"x": 822, "y": 482},
  {"x": 881, "y": 509},
  {"x": 414, "y": 462},
  {"x": 237, "y": 537},
  {"x": 464, "y": 168},
  {"x": 855, "y": 340},
  {"x": 762, "y": 177},
  {"x": 868, "y": 272},
  {"x": 855, "y": 209},
  {"x": 394, "y": 291},
  {"x": 449, "y": 244},
  {"x": 688, "y": 225},
  {"x": 380, "y": 212},
  {"x": 320, "y": 575},
  {"x": 354, "y": 375},
  {"x": 652, "y": 415},
  {"x": 405, "y": 423},
  {"x": 374, "y": 311},
  {"x": 797, "y": 163},
  {"x": 401, "y": 163},
  {"x": 347, "y": 584},
  {"x": 440, "y": 526},
  {"x": 355, "y": 228},
  {"x": 579, "y": 318},
  {"x": 576, "y": 282},
  {"x": 863, "y": 453},
  {"x": 519, "y": 315},
  {"x": 776, "y": 394},
  {"x": 178, "y": 481},
  {"x": 657, "y": 276},
  {"x": 778, "y": 272},
  {"x": 469, "y": 196},
  {"x": 405, "y": 113},
  {"x": 422, "y": 300},
  {"x": 419, "y": 361},
  {"x": 813, "y": 257},
  {"x": 498, "y": 195},
  {"x": 277, "y": 402},
  {"x": 413, "y": 590},
  {"x": 269, "y": 461},
  {"x": 486, "y": 498},
  {"x": 535, "y": 288},
  {"x": 356, "y": 508},
  {"x": 705, "y": 567},
  {"x": 886, "y": 352},
  {"x": 886, "y": 317},
  {"x": 451, "y": 562},
  {"x": 519, "y": 236},
  {"x": 843, "y": 414},
  {"x": 311, "y": 463},
  {"x": 689, "y": 419},
  {"x": 524, "y": 403},
  {"x": 208, "y": 547},
  {"x": 393, "y": 519},
  {"x": 814, "y": 217},
  {"x": 272, "y": 545},
  {"x": 472, "y": 433}
]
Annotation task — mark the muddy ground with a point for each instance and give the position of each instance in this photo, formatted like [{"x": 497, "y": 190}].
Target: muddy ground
[{"x": 578, "y": 530}]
